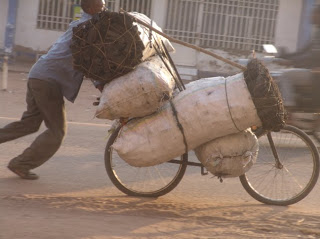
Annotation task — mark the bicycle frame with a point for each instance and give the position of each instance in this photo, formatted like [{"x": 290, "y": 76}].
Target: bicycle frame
[
  {"x": 203, "y": 169},
  {"x": 260, "y": 132}
]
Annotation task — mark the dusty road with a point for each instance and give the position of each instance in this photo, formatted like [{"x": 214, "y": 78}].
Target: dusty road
[{"x": 75, "y": 199}]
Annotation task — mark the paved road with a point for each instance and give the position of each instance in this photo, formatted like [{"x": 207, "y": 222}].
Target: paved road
[
  {"x": 74, "y": 184},
  {"x": 74, "y": 198}
]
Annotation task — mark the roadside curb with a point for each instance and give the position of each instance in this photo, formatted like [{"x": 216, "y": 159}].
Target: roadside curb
[{"x": 20, "y": 67}]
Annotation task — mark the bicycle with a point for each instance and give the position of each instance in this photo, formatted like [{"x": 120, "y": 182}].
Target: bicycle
[
  {"x": 279, "y": 177},
  {"x": 275, "y": 152}
]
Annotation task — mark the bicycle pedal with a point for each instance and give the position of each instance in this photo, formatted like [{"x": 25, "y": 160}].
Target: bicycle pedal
[
  {"x": 204, "y": 171},
  {"x": 220, "y": 179}
]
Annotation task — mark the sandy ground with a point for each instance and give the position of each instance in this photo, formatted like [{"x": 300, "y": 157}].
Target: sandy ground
[{"x": 75, "y": 199}]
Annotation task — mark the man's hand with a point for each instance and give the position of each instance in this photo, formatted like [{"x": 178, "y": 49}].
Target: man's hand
[
  {"x": 100, "y": 87},
  {"x": 123, "y": 121},
  {"x": 98, "y": 84},
  {"x": 96, "y": 103}
]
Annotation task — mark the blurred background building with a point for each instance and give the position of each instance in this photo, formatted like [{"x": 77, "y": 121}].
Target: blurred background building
[{"x": 234, "y": 27}]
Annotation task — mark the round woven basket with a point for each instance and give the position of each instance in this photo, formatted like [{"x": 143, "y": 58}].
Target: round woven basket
[{"x": 265, "y": 95}]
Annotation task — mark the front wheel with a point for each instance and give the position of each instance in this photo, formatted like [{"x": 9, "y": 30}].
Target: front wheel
[
  {"x": 152, "y": 181},
  {"x": 294, "y": 179}
]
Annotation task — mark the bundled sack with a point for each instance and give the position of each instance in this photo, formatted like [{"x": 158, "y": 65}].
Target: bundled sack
[
  {"x": 229, "y": 156},
  {"x": 155, "y": 40},
  {"x": 111, "y": 44},
  {"x": 207, "y": 109},
  {"x": 138, "y": 93},
  {"x": 266, "y": 96}
]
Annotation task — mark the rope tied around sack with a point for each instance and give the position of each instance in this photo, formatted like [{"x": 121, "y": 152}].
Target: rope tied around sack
[
  {"x": 106, "y": 46},
  {"x": 229, "y": 108},
  {"x": 175, "y": 114}
]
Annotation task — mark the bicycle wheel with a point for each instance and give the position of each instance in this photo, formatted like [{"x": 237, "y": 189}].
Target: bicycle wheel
[
  {"x": 152, "y": 181},
  {"x": 293, "y": 181}
]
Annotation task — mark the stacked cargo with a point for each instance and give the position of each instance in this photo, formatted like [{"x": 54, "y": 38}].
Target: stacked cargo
[{"x": 211, "y": 116}]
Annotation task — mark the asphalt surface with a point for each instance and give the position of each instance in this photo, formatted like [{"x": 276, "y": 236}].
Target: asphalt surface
[{"x": 74, "y": 198}]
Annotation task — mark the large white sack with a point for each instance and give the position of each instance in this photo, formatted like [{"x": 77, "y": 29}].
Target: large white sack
[
  {"x": 204, "y": 110},
  {"x": 138, "y": 93},
  {"x": 145, "y": 35},
  {"x": 229, "y": 156}
]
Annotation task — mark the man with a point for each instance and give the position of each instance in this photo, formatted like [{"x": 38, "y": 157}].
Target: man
[
  {"x": 309, "y": 58},
  {"x": 50, "y": 80}
]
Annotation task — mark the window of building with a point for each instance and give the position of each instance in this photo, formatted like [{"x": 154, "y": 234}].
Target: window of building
[
  {"x": 142, "y": 6},
  {"x": 233, "y": 24},
  {"x": 57, "y": 14}
]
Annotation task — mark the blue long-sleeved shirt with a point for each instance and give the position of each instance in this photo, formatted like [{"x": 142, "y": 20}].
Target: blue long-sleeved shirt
[{"x": 56, "y": 65}]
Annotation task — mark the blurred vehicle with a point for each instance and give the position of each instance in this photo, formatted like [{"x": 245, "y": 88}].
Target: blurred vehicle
[{"x": 297, "y": 88}]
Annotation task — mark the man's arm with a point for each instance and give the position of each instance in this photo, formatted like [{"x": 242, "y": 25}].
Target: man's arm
[{"x": 98, "y": 84}]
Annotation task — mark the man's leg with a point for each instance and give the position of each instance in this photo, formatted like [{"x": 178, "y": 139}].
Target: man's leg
[
  {"x": 49, "y": 100},
  {"x": 29, "y": 123}
]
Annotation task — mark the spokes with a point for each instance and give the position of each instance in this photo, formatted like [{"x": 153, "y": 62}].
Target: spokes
[
  {"x": 288, "y": 184},
  {"x": 144, "y": 179},
  {"x": 293, "y": 177}
]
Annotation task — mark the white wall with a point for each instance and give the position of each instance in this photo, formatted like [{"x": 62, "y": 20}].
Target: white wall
[
  {"x": 27, "y": 35},
  {"x": 40, "y": 40},
  {"x": 288, "y": 23},
  {"x": 184, "y": 56},
  {"x": 287, "y": 34},
  {"x": 3, "y": 21},
  {"x": 158, "y": 11},
  {"x": 305, "y": 30}
]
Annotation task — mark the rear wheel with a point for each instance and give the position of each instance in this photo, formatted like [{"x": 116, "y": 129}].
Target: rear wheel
[
  {"x": 152, "y": 181},
  {"x": 289, "y": 182}
]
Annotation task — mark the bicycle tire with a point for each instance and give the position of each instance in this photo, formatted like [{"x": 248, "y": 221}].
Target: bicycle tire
[
  {"x": 126, "y": 183},
  {"x": 257, "y": 180}
]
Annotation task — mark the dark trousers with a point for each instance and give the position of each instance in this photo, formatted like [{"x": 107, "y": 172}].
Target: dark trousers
[{"x": 44, "y": 103}]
